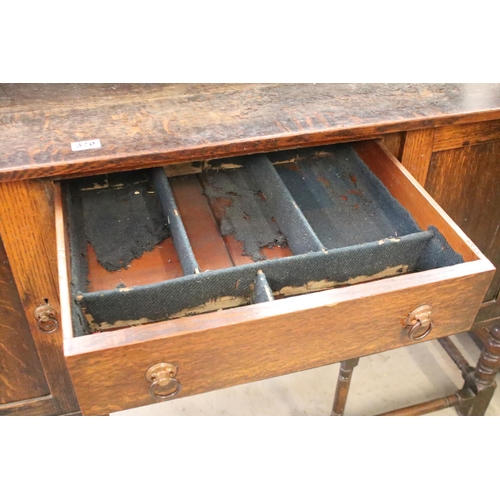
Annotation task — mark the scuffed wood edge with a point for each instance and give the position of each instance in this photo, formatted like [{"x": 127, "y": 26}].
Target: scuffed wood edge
[
  {"x": 81, "y": 167},
  {"x": 228, "y": 317}
]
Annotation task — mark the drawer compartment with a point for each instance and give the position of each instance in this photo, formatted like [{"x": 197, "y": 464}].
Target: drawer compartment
[
  {"x": 327, "y": 210},
  {"x": 214, "y": 272}
]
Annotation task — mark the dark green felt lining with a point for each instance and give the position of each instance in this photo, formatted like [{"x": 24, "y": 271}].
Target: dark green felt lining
[{"x": 364, "y": 229}]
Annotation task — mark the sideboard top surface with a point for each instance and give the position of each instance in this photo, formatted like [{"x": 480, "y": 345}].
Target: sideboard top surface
[{"x": 142, "y": 125}]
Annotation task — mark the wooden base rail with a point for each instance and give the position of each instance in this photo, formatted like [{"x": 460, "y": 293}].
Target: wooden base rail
[
  {"x": 472, "y": 400},
  {"x": 427, "y": 407},
  {"x": 452, "y": 351}
]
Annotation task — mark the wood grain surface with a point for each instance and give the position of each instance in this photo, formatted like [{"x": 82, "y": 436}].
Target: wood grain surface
[
  {"x": 27, "y": 228},
  {"x": 489, "y": 313},
  {"x": 32, "y": 407},
  {"x": 394, "y": 143},
  {"x": 466, "y": 183},
  {"x": 236, "y": 346},
  {"x": 250, "y": 343},
  {"x": 417, "y": 153},
  {"x": 146, "y": 125},
  {"x": 21, "y": 374},
  {"x": 459, "y": 136},
  {"x": 424, "y": 408}
]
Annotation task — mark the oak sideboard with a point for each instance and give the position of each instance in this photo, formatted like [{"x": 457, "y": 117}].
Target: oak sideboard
[{"x": 207, "y": 301}]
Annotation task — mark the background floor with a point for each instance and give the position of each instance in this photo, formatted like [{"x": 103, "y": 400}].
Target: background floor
[{"x": 380, "y": 383}]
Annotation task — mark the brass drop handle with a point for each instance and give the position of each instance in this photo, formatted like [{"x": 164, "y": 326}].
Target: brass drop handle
[
  {"x": 46, "y": 318},
  {"x": 420, "y": 318},
  {"x": 164, "y": 385}
]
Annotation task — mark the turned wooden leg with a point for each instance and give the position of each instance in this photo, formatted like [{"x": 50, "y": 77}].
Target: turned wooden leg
[
  {"x": 481, "y": 381},
  {"x": 343, "y": 383}
]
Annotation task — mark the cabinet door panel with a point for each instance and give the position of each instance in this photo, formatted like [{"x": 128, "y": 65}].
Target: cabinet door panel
[
  {"x": 466, "y": 183},
  {"x": 21, "y": 374}
]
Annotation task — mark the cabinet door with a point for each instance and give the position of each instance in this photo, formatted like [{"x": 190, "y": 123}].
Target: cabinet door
[
  {"x": 465, "y": 180},
  {"x": 21, "y": 373}
]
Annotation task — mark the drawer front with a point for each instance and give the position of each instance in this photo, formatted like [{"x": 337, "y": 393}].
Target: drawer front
[
  {"x": 265, "y": 340},
  {"x": 253, "y": 342}
]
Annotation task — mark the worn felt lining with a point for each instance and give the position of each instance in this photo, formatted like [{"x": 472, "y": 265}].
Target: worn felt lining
[
  {"x": 122, "y": 218},
  {"x": 368, "y": 235},
  {"x": 290, "y": 219},
  {"x": 158, "y": 301},
  {"x": 247, "y": 217},
  {"x": 438, "y": 253},
  {"x": 345, "y": 203},
  {"x": 72, "y": 205}
]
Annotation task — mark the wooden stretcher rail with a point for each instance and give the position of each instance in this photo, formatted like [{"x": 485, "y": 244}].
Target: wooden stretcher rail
[{"x": 427, "y": 407}]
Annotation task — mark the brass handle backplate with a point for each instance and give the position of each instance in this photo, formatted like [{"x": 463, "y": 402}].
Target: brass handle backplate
[
  {"x": 164, "y": 385},
  {"x": 46, "y": 319},
  {"x": 418, "y": 319}
]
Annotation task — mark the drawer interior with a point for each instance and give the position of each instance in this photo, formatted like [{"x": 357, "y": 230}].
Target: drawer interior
[{"x": 145, "y": 247}]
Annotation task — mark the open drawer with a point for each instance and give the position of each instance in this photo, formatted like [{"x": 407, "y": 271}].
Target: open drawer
[{"x": 261, "y": 266}]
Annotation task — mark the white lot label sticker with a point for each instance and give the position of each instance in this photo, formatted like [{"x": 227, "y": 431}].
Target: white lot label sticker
[{"x": 83, "y": 145}]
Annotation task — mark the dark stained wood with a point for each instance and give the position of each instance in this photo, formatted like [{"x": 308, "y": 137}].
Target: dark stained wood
[
  {"x": 423, "y": 408},
  {"x": 343, "y": 384},
  {"x": 455, "y": 354},
  {"x": 488, "y": 313},
  {"x": 482, "y": 383},
  {"x": 146, "y": 125},
  {"x": 28, "y": 234},
  {"x": 142, "y": 126},
  {"x": 18, "y": 98},
  {"x": 466, "y": 183},
  {"x": 425, "y": 211},
  {"x": 32, "y": 407},
  {"x": 459, "y": 136},
  {"x": 489, "y": 361},
  {"x": 394, "y": 143},
  {"x": 482, "y": 334},
  {"x": 416, "y": 156},
  {"x": 21, "y": 374}
]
